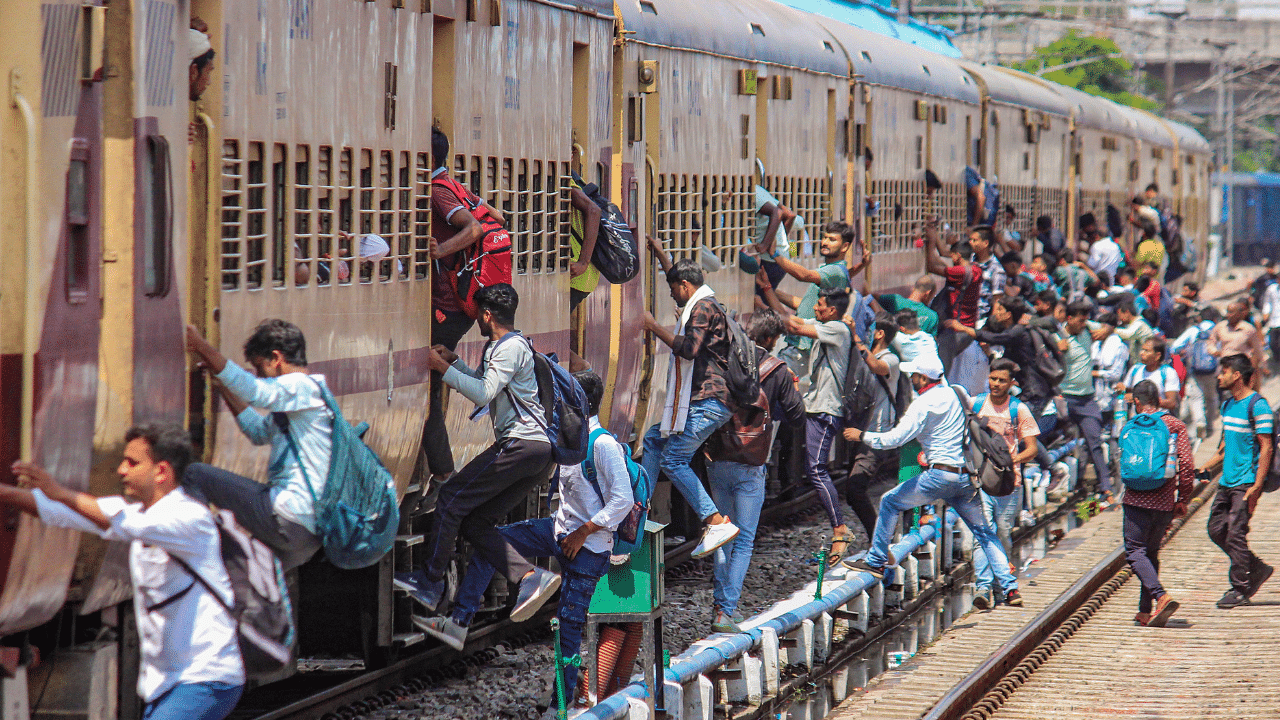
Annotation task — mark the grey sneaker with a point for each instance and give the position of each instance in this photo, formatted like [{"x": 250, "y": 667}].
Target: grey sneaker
[
  {"x": 535, "y": 590},
  {"x": 442, "y": 629},
  {"x": 982, "y": 598},
  {"x": 724, "y": 624}
]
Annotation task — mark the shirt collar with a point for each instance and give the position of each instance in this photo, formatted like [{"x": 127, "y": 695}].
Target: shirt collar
[{"x": 437, "y": 172}]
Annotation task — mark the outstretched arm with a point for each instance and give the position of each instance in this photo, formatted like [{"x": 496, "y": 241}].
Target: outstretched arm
[
  {"x": 933, "y": 262},
  {"x": 660, "y": 253},
  {"x": 83, "y": 503},
  {"x": 590, "y": 228}
]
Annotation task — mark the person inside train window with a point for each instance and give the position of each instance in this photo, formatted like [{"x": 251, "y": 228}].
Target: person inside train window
[
  {"x": 476, "y": 499},
  {"x": 1105, "y": 255},
  {"x": 911, "y": 341},
  {"x": 298, "y": 427},
  {"x": 824, "y": 402},
  {"x": 1013, "y": 420},
  {"x": 981, "y": 239},
  {"x": 873, "y": 471},
  {"x": 201, "y": 52},
  {"x": 982, "y": 203},
  {"x": 1017, "y": 281},
  {"x": 453, "y": 228},
  {"x": 922, "y": 293},
  {"x": 1009, "y": 239},
  {"x": 937, "y": 418},
  {"x": 1051, "y": 238},
  {"x": 579, "y": 536},
  {"x": 697, "y": 397},
  {"x": 773, "y": 225},
  {"x": 737, "y": 474},
  {"x": 584, "y": 225},
  {"x": 191, "y": 667},
  {"x": 1147, "y": 513}
]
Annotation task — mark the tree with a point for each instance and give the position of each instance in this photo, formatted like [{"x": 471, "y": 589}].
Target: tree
[{"x": 1107, "y": 76}]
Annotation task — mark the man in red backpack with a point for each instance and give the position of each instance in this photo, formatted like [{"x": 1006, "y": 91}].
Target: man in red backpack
[{"x": 454, "y": 228}]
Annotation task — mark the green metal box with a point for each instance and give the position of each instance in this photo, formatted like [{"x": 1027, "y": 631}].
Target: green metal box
[{"x": 636, "y": 585}]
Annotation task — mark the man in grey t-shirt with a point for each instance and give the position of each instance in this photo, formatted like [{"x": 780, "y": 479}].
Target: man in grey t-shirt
[{"x": 824, "y": 402}]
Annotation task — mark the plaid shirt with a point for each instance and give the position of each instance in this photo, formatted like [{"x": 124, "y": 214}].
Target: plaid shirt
[
  {"x": 1178, "y": 488},
  {"x": 993, "y": 280},
  {"x": 706, "y": 342}
]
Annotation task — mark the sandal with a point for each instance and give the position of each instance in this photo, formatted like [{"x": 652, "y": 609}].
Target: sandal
[{"x": 833, "y": 557}]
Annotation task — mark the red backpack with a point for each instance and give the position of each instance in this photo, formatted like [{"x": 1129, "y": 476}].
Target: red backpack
[
  {"x": 488, "y": 261},
  {"x": 1179, "y": 369}
]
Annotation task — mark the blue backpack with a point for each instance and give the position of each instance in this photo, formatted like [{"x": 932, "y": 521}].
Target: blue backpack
[
  {"x": 565, "y": 417},
  {"x": 1145, "y": 447},
  {"x": 1013, "y": 407},
  {"x": 1198, "y": 358},
  {"x": 358, "y": 513},
  {"x": 630, "y": 533}
]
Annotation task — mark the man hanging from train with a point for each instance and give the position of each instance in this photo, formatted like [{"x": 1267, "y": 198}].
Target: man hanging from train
[
  {"x": 191, "y": 667},
  {"x": 454, "y": 228},
  {"x": 476, "y": 499},
  {"x": 298, "y": 426}
]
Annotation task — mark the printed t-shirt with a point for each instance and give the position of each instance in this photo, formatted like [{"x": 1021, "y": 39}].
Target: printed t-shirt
[
  {"x": 964, "y": 301},
  {"x": 1240, "y": 446},
  {"x": 1000, "y": 420}
]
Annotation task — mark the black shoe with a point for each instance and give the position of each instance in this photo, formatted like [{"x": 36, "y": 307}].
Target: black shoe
[
  {"x": 1232, "y": 599},
  {"x": 1260, "y": 573},
  {"x": 861, "y": 565},
  {"x": 1013, "y": 598}
]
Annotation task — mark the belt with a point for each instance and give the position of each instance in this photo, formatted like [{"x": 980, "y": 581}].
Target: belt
[{"x": 946, "y": 468}]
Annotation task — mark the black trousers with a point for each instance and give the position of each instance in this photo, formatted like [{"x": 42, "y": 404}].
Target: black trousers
[
  {"x": 1143, "y": 531},
  {"x": 477, "y": 499},
  {"x": 250, "y": 501},
  {"x": 435, "y": 434},
  {"x": 1229, "y": 530},
  {"x": 870, "y": 469}
]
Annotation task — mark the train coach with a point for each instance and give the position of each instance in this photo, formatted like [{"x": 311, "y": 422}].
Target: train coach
[{"x": 127, "y": 210}]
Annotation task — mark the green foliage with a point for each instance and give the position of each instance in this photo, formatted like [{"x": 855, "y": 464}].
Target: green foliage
[{"x": 1108, "y": 76}]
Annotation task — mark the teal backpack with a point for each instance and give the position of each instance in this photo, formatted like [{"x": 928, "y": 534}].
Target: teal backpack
[
  {"x": 630, "y": 533},
  {"x": 357, "y": 514},
  {"x": 1145, "y": 450}
]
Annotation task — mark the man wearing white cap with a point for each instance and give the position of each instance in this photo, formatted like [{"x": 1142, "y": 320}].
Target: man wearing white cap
[
  {"x": 937, "y": 419},
  {"x": 201, "y": 70}
]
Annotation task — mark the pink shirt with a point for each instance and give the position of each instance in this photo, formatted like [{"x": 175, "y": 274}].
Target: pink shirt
[
  {"x": 1244, "y": 339},
  {"x": 999, "y": 420}
]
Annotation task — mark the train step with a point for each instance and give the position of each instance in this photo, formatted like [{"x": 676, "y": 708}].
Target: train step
[
  {"x": 404, "y": 541},
  {"x": 407, "y": 639}
]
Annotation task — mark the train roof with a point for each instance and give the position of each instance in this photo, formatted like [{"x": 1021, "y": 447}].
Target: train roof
[
  {"x": 881, "y": 60},
  {"x": 750, "y": 30},
  {"x": 1189, "y": 140},
  {"x": 1018, "y": 88},
  {"x": 1096, "y": 112},
  {"x": 883, "y": 20},
  {"x": 1147, "y": 127}
]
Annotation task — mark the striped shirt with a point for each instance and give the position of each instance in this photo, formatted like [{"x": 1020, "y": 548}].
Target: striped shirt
[{"x": 1240, "y": 446}]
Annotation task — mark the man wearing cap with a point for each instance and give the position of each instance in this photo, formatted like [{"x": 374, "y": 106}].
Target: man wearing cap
[
  {"x": 201, "y": 54},
  {"x": 937, "y": 419}
]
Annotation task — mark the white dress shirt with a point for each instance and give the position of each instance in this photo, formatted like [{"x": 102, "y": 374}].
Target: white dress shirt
[
  {"x": 193, "y": 638},
  {"x": 936, "y": 419},
  {"x": 1271, "y": 305},
  {"x": 1105, "y": 256},
  {"x": 579, "y": 501}
]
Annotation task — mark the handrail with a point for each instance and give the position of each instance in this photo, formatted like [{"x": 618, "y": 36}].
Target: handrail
[
  {"x": 731, "y": 646},
  {"x": 31, "y": 309}
]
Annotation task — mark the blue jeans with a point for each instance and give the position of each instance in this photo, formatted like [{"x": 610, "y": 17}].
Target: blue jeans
[
  {"x": 194, "y": 701},
  {"x": 819, "y": 432},
  {"x": 1004, "y": 512},
  {"x": 928, "y": 486},
  {"x": 672, "y": 454},
  {"x": 739, "y": 493},
  {"x": 536, "y": 538}
]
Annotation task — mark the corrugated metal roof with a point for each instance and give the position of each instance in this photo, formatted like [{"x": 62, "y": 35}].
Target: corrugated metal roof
[
  {"x": 881, "y": 18},
  {"x": 1096, "y": 112},
  {"x": 1189, "y": 140},
  {"x": 1147, "y": 127},
  {"x": 600, "y": 7},
  {"x": 753, "y": 30},
  {"x": 884, "y": 61},
  {"x": 1011, "y": 86}
]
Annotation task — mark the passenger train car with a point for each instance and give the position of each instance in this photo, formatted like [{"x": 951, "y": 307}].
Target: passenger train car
[{"x": 127, "y": 211}]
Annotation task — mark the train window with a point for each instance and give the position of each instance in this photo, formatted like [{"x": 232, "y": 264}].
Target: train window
[
  {"x": 1173, "y": 177},
  {"x": 279, "y": 253},
  {"x": 757, "y": 29},
  {"x": 255, "y": 217},
  {"x": 422, "y": 218},
  {"x": 324, "y": 196},
  {"x": 827, "y": 46},
  {"x": 731, "y": 215},
  {"x": 1134, "y": 171},
  {"x": 346, "y": 213},
  {"x": 366, "y": 216},
  {"x": 809, "y": 197},
  {"x": 678, "y": 208},
  {"x": 401, "y": 248},
  {"x": 232, "y": 214},
  {"x": 867, "y": 56},
  {"x": 157, "y": 217},
  {"x": 1026, "y": 161},
  {"x": 77, "y": 259},
  {"x": 925, "y": 68},
  {"x": 1106, "y": 171},
  {"x": 518, "y": 223},
  {"x": 303, "y": 242},
  {"x": 919, "y": 152},
  {"x": 647, "y": 6}
]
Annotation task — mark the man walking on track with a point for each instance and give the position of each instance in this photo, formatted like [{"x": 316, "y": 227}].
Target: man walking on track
[
  {"x": 938, "y": 420},
  {"x": 1244, "y": 457}
]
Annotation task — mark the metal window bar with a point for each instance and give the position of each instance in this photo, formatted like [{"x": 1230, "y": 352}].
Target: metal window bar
[
  {"x": 232, "y": 252},
  {"x": 422, "y": 218},
  {"x": 255, "y": 236},
  {"x": 304, "y": 228}
]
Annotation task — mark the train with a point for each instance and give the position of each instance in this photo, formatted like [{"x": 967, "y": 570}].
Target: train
[{"x": 128, "y": 210}]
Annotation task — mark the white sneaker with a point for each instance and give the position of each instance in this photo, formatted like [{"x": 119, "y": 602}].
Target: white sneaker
[{"x": 713, "y": 536}]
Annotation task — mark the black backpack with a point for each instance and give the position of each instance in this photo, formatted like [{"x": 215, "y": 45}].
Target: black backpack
[
  {"x": 1047, "y": 362},
  {"x": 859, "y": 390},
  {"x": 1272, "y": 481},
  {"x": 741, "y": 373},
  {"x": 986, "y": 454},
  {"x": 615, "y": 255}
]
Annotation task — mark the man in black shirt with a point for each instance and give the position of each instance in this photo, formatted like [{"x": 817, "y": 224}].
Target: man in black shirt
[{"x": 1051, "y": 238}]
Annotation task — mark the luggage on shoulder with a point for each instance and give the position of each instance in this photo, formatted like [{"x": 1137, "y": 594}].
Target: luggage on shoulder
[
  {"x": 488, "y": 261},
  {"x": 1047, "y": 362},
  {"x": 1198, "y": 358},
  {"x": 357, "y": 514},
  {"x": 747, "y": 437},
  {"x": 630, "y": 533},
  {"x": 260, "y": 604},
  {"x": 616, "y": 255},
  {"x": 742, "y": 374},
  {"x": 1146, "y": 452},
  {"x": 566, "y": 414},
  {"x": 986, "y": 454}
]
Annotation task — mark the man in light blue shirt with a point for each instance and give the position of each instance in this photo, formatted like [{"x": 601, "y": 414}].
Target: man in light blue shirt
[{"x": 938, "y": 420}]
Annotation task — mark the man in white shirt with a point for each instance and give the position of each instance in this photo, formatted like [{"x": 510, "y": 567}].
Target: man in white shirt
[
  {"x": 279, "y": 512},
  {"x": 1271, "y": 320},
  {"x": 938, "y": 420},
  {"x": 1152, "y": 367},
  {"x": 1105, "y": 254},
  {"x": 593, "y": 502},
  {"x": 191, "y": 667}
]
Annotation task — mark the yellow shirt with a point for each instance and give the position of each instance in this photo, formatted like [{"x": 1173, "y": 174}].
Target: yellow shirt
[
  {"x": 1150, "y": 250},
  {"x": 587, "y": 281}
]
